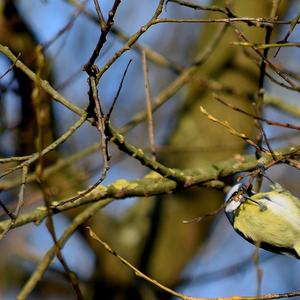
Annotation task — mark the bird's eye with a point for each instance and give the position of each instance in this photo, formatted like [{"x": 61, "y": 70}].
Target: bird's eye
[
  {"x": 237, "y": 196},
  {"x": 233, "y": 202},
  {"x": 235, "y": 190}
]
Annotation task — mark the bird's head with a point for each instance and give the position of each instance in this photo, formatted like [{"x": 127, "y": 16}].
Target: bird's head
[{"x": 235, "y": 197}]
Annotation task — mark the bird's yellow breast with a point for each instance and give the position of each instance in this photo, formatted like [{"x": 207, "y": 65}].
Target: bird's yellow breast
[{"x": 268, "y": 222}]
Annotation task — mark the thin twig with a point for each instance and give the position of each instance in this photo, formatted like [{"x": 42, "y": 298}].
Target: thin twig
[
  {"x": 293, "y": 24},
  {"x": 134, "y": 269},
  {"x": 260, "y": 22},
  {"x": 108, "y": 115},
  {"x": 231, "y": 130},
  {"x": 43, "y": 265},
  {"x": 224, "y": 10},
  {"x": 10, "y": 68},
  {"x": 131, "y": 41},
  {"x": 102, "y": 39},
  {"x": 7, "y": 211},
  {"x": 14, "y": 159},
  {"x": 148, "y": 106},
  {"x": 269, "y": 122},
  {"x": 61, "y": 163},
  {"x": 214, "y": 41},
  {"x": 44, "y": 84},
  {"x": 260, "y": 91},
  {"x": 49, "y": 148},
  {"x": 14, "y": 216},
  {"x": 259, "y": 271},
  {"x": 66, "y": 27},
  {"x": 94, "y": 101},
  {"x": 210, "y": 214},
  {"x": 100, "y": 15},
  {"x": 21, "y": 192},
  {"x": 264, "y": 46}
]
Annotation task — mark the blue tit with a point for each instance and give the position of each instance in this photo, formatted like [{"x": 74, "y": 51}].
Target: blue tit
[{"x": 269, "y": 220}]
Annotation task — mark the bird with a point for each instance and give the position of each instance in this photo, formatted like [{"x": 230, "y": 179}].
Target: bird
[{"x": 269, "y": 220}]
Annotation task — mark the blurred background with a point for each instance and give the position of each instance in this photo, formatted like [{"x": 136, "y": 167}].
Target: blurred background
[{"x": 206, "y": 259}]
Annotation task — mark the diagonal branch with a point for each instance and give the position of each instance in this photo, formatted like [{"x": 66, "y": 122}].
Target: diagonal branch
[{"x": 156, "y": 185}]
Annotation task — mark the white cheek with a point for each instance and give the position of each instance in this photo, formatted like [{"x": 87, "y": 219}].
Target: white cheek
[{"x": 232, "y": 206}]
